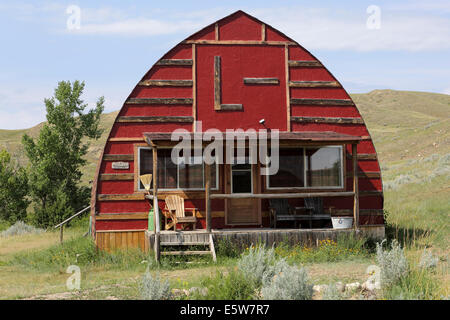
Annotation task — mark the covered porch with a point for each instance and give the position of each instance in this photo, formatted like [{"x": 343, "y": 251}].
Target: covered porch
[
  {"x": 251, "y": 229},
  {"x": 242, "y": 188}
]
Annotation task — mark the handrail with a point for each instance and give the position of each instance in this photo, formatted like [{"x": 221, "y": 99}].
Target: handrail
[
  {"x": 280, "y": 195},
  {"x": 75, "y": 215}
]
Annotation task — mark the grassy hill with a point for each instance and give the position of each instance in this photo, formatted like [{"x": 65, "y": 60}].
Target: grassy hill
[{"x": 411, "y": 134}]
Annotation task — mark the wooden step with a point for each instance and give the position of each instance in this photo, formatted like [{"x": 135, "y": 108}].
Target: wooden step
[
  {"x": 184, "y": 243},
  {"x": 183, "y": 253}
]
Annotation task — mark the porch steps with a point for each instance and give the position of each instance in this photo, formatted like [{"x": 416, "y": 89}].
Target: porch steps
[
  {"x": 187, "y": 239},
  {"x": 183, "y": 253}
]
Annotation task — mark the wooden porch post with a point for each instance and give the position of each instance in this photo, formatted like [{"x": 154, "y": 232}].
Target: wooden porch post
[
  {"x": 207, "y": 196},
  {"x": 155, "y": 202},
  {"x": 355, "y": 186}
]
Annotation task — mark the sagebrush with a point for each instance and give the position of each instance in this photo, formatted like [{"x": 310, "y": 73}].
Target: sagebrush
[{"x": 154, "y": 288}]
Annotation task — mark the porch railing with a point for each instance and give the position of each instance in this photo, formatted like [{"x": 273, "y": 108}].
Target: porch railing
[{"x": 61, "y": 225}]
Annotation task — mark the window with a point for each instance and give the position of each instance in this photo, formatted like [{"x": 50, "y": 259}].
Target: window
[
  {"x": 291, "y": 169},
  {"x": 324, "y": 167},
  {"x": 241, "y": 175},
  {"x": 312, "y": 167},
  {"x": 171, "y": 176}
]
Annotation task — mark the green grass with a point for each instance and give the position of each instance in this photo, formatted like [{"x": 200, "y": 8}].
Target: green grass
[
  {"x": 79, "y": 251},
  {"x": 345, "y": 248},
  {"x": 416, "y": 285},
  {"x": 230, "y": 285}
]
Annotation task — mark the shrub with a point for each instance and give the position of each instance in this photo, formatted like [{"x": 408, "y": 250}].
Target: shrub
[
  {"x": 428, "y": 260},
  {"x": 398, "y": 181},
  {"x": 232, "y": 285},
  {"x": 418, "y": 284},
  {"x": 444, "y": 160},
  {"x": 291, "y": 284},
  {"x": 227, "y": 248},
  {"x": 332, "y": 292},
  {"x": 153, "y": 288},
  {"x": 20, "y": 228},
  {"x": 392, "y": 262},
  {"x": 258, "y": 264}
]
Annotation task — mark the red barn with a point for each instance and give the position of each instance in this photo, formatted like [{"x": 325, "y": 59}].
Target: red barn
[{"x": 231, "y": 75}]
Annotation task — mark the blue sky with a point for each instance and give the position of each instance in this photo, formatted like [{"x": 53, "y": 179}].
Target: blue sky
[{"x": 118, "y": 41}]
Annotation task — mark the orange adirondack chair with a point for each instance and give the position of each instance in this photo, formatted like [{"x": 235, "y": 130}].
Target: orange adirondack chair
[{"x": 176, "y": 212}]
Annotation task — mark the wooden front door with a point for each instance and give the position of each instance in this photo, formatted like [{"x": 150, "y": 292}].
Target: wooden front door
[{"x": 242, "y": 180}]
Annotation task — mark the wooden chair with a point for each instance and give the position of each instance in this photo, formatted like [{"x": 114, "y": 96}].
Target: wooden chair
[
  {"x": 176, "y": 212},
  {"x": 279, "y": 209},
  {"x": 315, "y": 205}
]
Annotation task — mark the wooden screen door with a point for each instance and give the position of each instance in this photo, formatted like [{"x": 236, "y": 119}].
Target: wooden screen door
[{"x": 242, "y": 179}]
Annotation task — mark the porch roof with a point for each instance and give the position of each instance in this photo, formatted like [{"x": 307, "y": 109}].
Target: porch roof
[{"x": 305, "y": 136}]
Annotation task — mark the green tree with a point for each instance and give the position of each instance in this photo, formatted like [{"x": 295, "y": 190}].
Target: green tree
[
  {"x": 13, "y": 189},
  {"x": 56, "y": 157}
]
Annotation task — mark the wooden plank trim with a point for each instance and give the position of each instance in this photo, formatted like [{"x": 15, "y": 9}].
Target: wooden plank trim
[
  {"x": 304, "y": 63},
  {"x": 166, "y": 83},
  {"x": 369, "y": 193},
  {"x": 183, "y": 253},
  {"x": 364, "y": 156},
  {"x": 216, "y": 32},
  {"x": 156, "y": 119},
  {"x": 194, "y": 87},
  {"x": 263, "y": 32},
  {"x": 217, "y": 86},
  {"x": 122, "y": 216},
  {"x": 328, "y": 120},
  {"x": 184, "y": 243},
  {"x": 125, "y": 230},
  {"x": 126, "y": 139},
  {"x": 280, "y": 195},
  {"x": 159, "y": 101},
  {"x": 314, "y": 84},
  {"x": 323, "y": 102},
  {"x": 355, "y": 186},
  {"x": 118, "y": 157},
  {"x": 288, "y": 91},
  {"x": 121, "y": 197},
  {"x": 116, "y": 176},
  {"x": 174, "y": 62},
  {"x": 241, "y": 42},
  {"x": 367, "y": 175},
  {"x": 230, "y": 107},
  {"x": 261, "y": 81},
  {"x": 362, "y": 212}
]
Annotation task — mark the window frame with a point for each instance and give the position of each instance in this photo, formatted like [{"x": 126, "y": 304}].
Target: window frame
[
  {"x": 138, "y": 173},
  {"x": 306, "y": 187}
]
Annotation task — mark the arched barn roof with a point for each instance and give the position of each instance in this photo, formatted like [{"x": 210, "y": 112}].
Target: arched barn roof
[{"x": 263, "y": 75}]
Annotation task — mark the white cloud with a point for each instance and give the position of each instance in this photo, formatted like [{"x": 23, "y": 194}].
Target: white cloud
[
  {"x": 138, "y": 27},
  {"x": 332, "y": 30},
  {"x": 410, "y": 26},
  {"x": 107, "y": 21}
]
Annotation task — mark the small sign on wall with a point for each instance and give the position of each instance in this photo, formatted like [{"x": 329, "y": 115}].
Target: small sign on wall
[{"x": 121, "y": 165}]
